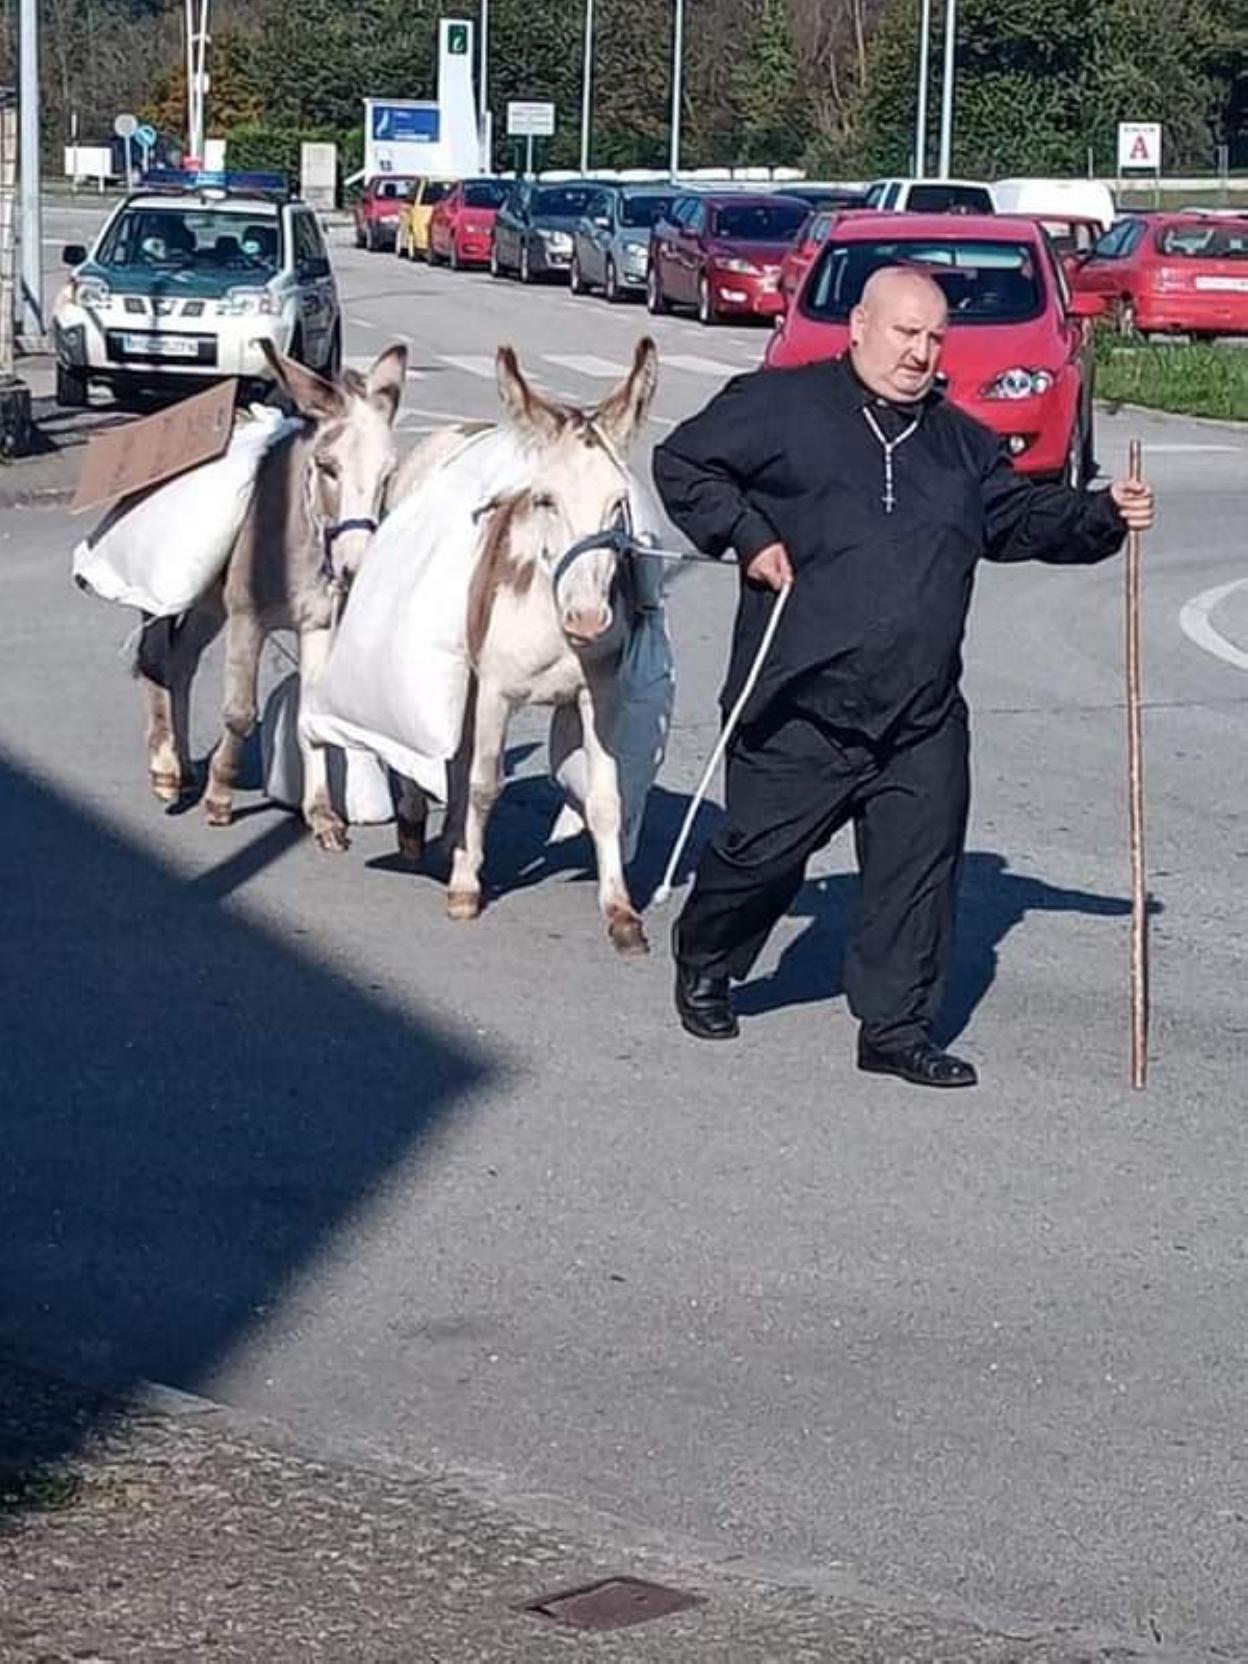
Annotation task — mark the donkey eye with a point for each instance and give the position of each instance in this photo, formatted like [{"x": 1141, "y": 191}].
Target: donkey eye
[
  {"x": 543, "y": 499},
  {"x": 327, "y": 466}
]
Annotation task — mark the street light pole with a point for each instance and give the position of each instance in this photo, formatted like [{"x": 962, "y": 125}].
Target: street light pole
[
  {"x": 678, "y": 52},
  {"x": 32, "y": 183},
  {"x": 483, "y": 105},
  {"x": 946, "y": 88},
  {"x": 920, "y": 125},
  {"x": 587, "y": 75}
]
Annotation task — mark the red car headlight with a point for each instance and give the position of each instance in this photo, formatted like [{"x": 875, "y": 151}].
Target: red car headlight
[{"x": 1019, "y": 383}]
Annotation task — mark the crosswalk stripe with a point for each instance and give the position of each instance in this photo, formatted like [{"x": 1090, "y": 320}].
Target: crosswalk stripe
[
  {"x": 696, "y": 365},
  {"x": 586, "y": 364},
  {"x": 364, "y": 363},
  {"x": 472, "y": 364}
]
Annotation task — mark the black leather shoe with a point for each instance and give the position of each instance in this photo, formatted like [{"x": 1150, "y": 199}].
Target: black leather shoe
[
  {"x": 703, "y": 1004},
  {"x": 921, "y": 1063}
]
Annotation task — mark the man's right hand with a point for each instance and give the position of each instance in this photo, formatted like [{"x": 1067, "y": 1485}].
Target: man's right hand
[{"x": 771, "y": 566}]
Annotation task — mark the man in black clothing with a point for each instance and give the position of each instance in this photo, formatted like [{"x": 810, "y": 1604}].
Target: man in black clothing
[{"x": 856, "y": 482}]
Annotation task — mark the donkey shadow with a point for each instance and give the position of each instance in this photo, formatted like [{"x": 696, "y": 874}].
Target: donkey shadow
[{"x": 992, "y": 901}]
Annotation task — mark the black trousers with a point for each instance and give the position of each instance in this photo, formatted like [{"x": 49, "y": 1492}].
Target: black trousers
[{"x": 792, "y": 783}]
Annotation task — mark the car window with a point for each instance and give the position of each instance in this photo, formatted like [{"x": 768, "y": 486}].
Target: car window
[
  {"x": 1203, "y": 240},
  {"x": 875, "y": 196},
  {"x": 389, "y": 189},
  {"x": 939, "y": 197},
  {"x": 818, "y": 229},
  {"x": 892, "y": 194},
  {"x": 985, "y": 282},
  {"x": 563, "y": 201},
  {"x": 310, "y": 253},
  {"x": 434, "y": 191},
  {"x": 202, "y": 239},
  {"x": 484, "y": 193},
  {"x": 640, "y": 211},
  {"x": 760, "y": 222},
  {"x": 685, "y": 212}
]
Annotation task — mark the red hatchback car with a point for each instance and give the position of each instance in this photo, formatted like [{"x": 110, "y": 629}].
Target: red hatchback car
[
  {"x": 1017, "y": 355},
  {"x": 722, "y": 254},
  {"x": 1172, "y": 273},
  {"x": 461, "y": 227},
  {"x": 378, "y": 208}
]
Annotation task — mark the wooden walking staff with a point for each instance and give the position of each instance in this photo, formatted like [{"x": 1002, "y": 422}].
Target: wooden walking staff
[{"x": 1135, "y": 779}]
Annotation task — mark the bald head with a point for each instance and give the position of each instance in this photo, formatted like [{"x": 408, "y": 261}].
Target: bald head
[{"x": 896, "y": 332}]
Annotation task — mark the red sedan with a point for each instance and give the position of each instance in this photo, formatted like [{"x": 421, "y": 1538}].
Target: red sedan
[
  {"x": 1017, "y": 356},
  {"x": 806, "y": 245},
  {"x": 1172, "y": 274},
  {"x": 461, "y": 226},
  {"x": 722, "y": 254}
]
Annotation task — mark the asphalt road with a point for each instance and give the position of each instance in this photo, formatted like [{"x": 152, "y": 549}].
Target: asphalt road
[{"x": 281, "y": 1134}]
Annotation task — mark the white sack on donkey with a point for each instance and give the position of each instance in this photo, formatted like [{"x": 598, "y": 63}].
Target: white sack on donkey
[
  {"x": 161, "y": 550},
  {"x": 514, "y": 572}
]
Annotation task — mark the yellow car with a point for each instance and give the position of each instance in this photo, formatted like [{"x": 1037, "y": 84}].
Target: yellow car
[{"x": 411, "y": 240}]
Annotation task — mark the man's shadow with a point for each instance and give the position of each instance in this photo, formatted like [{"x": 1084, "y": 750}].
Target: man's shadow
[{"x": 992, "y": 901}]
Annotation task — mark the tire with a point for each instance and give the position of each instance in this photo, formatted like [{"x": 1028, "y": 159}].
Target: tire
[
  {"x": 370, "y": 239},
  {"x": 526, "y": 269},
  {"x": 359, "y": 238},
  {"x": 71, "y": 388},
  {"x": 1074, "y": 475},
  {"x": 657, "y": 302},
  {"x": 296, "y": 347},
  {"x": 456, "y": 264},
  {"x": 575, "y": 281},
  {"x": 611, "y": 284},
  {"x": 707, "y": 315},
  {"x": 496, "y": 269},
  {"x": 333, "y": 363}
]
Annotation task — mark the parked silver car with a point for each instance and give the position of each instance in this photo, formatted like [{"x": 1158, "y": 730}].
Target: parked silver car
[{"x": 611, "y": 244}]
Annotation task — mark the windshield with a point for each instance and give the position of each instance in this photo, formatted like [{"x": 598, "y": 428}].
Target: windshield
[
  {"x": 566, "y": 204},
  {"x": 1203, "y": 241},
  {"x": 485, "y": 194},
  {"x": 392, "y": 189},
  {"x": 643, "y": 210},
  {"x": 984, "y": 282},
  {"x": 435, "y": 190},
  {"x": 205, "y": 240},
  {"x": 760, "y": 222},
  {"x": 949, "y": 199}
]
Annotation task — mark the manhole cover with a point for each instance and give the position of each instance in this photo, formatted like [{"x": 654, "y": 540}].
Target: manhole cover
[{"x": 615, "y": 1603}]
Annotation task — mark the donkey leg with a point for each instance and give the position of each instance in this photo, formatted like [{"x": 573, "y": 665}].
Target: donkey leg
[
  {"x": 168, "y": 700},
  {"x": 488, "y": 732},
  {"x": 325, "y": 823},
  {"x": 244, "y": 638},
  {"x": 604, "y": 817},
  {"x": 411, "y": 818},
  {"x": 164, "y": 765}
]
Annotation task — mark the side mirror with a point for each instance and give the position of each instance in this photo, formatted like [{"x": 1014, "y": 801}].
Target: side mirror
[
  {"x": 1084, "y": 305},
  {"x": 603, "y": 222},
  {"x": 73, "y": 254}
]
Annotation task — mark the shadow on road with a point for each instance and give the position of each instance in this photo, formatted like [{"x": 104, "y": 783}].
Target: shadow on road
[{"x": 190, "y": 1109}]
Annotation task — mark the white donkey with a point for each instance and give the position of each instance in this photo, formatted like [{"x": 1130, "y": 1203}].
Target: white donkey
[{"x": 550, "y": 608}]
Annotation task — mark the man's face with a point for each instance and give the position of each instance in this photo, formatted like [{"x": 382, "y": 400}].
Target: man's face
[{"x": 896, "y": 335}]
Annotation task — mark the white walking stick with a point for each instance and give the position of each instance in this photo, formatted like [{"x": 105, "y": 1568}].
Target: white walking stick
[
  {"x": 664, "y": 891},
  {"x": 1135, "y": 783}
]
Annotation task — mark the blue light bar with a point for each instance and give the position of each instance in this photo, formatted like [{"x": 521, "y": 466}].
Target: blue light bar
[{"x": 196, "y": 179}]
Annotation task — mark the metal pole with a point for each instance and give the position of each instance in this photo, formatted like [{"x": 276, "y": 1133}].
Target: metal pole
[
  {"x": 1135, "y": 784},
  {"x": 920, "y": 125},
  {"x": 190, "y": 77},
  {"x": 946, "y": 88},
  {"x": 8, "y": 194},
  {"x": 483, "y": 91},
  {"x": 678, "y": 52},
  {"x": 200, "y": 78},
  {"x": 587, "y": 76},
  {"x": 32, "y": 215}
]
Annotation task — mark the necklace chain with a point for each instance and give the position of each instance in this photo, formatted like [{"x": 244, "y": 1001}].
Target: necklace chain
[{"x": 888, "y": 446}]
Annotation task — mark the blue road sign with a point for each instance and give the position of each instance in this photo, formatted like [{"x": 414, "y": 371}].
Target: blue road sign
[{"x": 145, "y": 136}]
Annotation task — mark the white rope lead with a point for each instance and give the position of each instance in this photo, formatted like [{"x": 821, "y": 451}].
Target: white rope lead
[{"x": 664, "y": 892}]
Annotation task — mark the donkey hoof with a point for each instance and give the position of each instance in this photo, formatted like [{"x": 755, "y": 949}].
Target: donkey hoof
[
  {"x": 331, "y": 835},
  {"x": 463, "y": 905},
  {"x": 217, "y": 812},
  {"x": 411, "y": 839},
  {"x": 627, "y": 934},
  {"x": 166, "y": 787}
]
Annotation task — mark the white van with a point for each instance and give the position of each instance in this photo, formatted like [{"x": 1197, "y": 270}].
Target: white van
[
  {"x": 1059, "y": 199},
  {"x": 929, "y": 196}
]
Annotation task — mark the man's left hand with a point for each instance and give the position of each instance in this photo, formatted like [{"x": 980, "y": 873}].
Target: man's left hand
[{"x": 1134, "y": 499}]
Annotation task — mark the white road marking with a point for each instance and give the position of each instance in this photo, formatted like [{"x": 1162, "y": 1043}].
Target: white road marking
[
  {"x": 1178, "y": 448},
  {"x": 696, "y": 365},
  {"x": 586, "y": 364},
  {"x": 1197, "y": 626},
  {"x": 472, "y": 364},
  {"x": 365, "y": 362}
]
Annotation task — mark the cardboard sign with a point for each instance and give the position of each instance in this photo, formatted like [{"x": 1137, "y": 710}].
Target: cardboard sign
[{"x": 127, "y": 459}]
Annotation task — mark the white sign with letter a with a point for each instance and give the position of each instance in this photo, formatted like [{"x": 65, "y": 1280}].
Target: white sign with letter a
[{"x": 1139, "y": 145}]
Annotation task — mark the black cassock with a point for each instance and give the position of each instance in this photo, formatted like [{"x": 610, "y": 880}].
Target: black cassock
[{"x": 857, "y": 714}]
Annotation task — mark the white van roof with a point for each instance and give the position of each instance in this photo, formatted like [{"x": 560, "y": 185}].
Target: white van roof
[{"x": 1085, "y": 198}]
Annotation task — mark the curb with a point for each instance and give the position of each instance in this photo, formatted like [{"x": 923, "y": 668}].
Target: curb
[{"x": 1117, "y": 407}]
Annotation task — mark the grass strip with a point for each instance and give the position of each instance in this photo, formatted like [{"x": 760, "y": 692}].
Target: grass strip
[{"x": 1187, "y": 379}]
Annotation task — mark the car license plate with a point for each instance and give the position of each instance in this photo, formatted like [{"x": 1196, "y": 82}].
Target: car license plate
[
  {"x": 160, "y": 346},
  {"x": 1224, "y": 285}
]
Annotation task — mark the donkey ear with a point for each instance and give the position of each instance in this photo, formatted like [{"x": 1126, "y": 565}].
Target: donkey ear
[
  {"x": 385, "y": 381},
  {"x": 310, "y": 394},
  {"x": 525, "y": 409},
  {"x": 622, "y": 412}
]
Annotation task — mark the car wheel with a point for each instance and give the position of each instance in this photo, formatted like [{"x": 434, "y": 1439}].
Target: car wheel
[
  {"x": 455, "y": 262},
  {"x": 496, "y": 269},
  {"x": 575, "y": 281},
  {"x": 71, "y": 388},
  {"x": 656, "y": 301},
  {"x": 359, "y": 238},
  {"x": 526, "y": 269},
  {"x": 706, "y": 306},
  {"x": 610, "y": 283},
  {"x": 1075, "y": 474}
]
